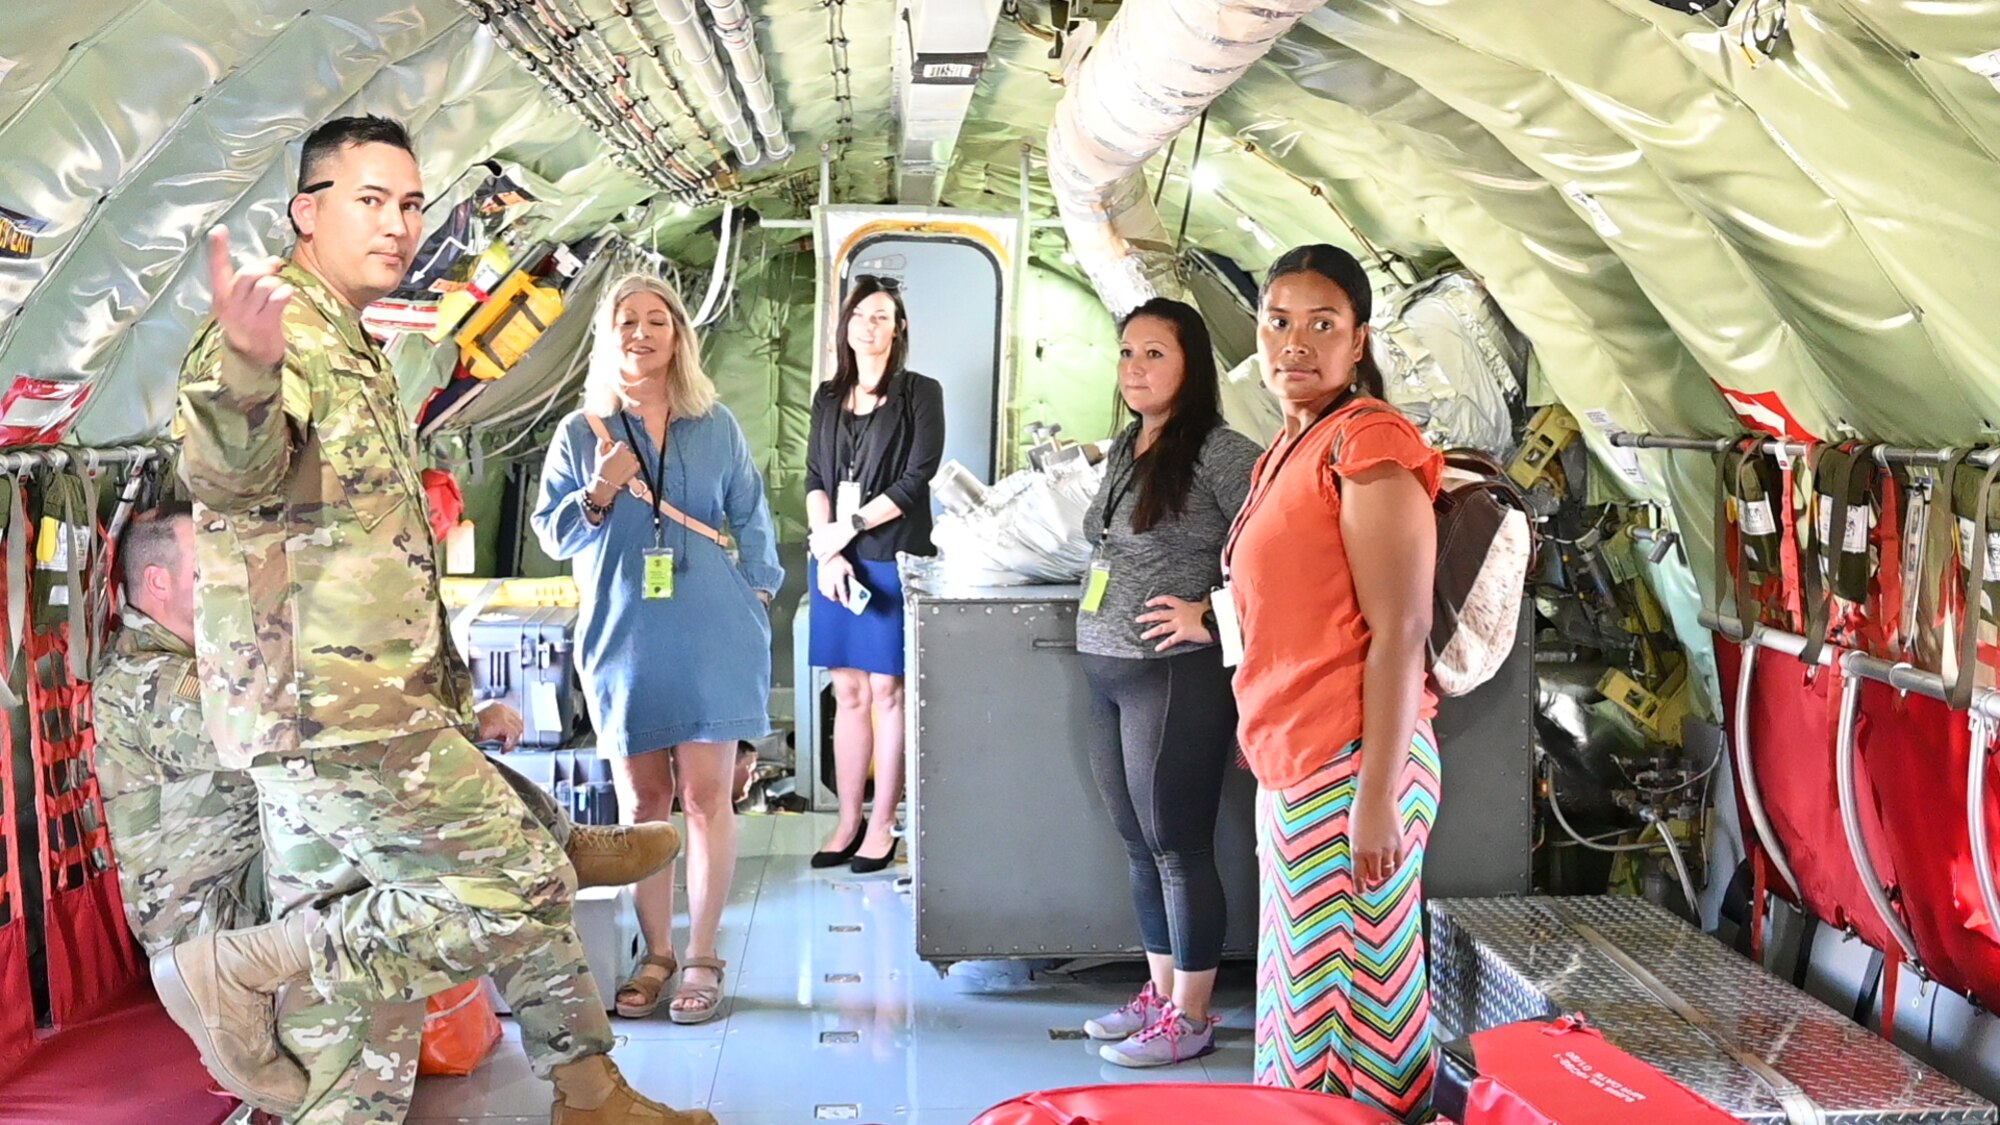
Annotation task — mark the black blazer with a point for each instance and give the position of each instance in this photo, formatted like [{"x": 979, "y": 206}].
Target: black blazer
[{"x": 900, "y": 453}]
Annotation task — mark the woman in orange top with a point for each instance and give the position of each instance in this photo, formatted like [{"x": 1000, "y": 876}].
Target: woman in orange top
[{"x": 1330, "y": 566}]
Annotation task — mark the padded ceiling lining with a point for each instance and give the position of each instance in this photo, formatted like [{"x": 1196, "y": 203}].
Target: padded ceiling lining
[{"x": 1662, "y": 216}]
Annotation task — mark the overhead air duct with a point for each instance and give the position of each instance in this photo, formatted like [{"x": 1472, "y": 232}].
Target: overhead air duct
[
  {"x": 692, "y": 37},
  {"x": 739, "y": 41},
  {"x": 1154, "y": 70},
  {"x": 941, "y": 48}
]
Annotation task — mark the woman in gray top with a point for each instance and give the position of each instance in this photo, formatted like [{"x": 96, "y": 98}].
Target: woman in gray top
[{"x": 1163, "y": 716}]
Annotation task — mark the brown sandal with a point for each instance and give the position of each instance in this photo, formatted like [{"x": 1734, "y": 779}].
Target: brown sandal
[
  {"x": 652, "y": 988},
  {"x": 707, "y": 998}
]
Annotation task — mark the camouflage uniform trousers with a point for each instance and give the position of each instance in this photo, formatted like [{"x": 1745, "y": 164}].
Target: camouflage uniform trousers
[
  {"x": 360, "y": 1059},
  {"x": 461, "y": 881}
]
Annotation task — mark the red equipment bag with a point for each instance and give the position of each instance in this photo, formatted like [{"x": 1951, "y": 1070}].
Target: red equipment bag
[
  {"x": 1559, "y": 1072},
  {"x": 1180, "y": 1103},
  {"x": 460, "y": 1030}
]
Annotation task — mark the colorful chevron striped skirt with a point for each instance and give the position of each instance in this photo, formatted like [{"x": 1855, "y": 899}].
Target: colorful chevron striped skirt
[{"x": 1343, "y": 988}]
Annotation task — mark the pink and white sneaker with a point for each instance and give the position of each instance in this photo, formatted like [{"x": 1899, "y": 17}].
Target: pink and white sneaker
[
  {"x": 1130, "y": 1019},
  {"x": 1171, "y": 1038}
]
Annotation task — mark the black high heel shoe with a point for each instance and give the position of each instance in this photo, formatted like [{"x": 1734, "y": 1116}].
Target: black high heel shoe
[
  {"x": 835, "y": 859},
  {"x": 867, "y": 865}
]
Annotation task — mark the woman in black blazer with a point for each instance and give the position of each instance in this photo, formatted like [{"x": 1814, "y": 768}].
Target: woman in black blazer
[{"x": 877, "y": 438}]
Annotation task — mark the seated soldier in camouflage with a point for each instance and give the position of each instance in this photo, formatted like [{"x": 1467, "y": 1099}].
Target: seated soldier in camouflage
[{"x": 191, "y": 852}]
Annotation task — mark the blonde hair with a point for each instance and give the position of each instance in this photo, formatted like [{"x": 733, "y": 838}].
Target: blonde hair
[{"x": 690, "y": 392}]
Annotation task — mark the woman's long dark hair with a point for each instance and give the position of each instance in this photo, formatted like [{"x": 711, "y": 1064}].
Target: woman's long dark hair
[
  {"x": 1343, "y": 269},
  {"x": 1165, "y": 474},
  {"x": 846, "y": 371}
]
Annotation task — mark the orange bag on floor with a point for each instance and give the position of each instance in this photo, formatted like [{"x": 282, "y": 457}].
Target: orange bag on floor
[{"x": 460, "y": 1030}]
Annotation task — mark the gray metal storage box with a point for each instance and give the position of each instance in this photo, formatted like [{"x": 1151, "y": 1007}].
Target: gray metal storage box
[
  {"x": 523, "y": 657},
  {"x": 1013, "y": 855},
  {"x": 1496, "y": 961}
]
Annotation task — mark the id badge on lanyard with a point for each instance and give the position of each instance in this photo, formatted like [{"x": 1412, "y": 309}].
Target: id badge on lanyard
[
  {"x": 1094, "y": 586},
  {"x": 846, "y": 500},
  {"x": 659, "y": 577},
  {"x": 1228, "y": 626}
]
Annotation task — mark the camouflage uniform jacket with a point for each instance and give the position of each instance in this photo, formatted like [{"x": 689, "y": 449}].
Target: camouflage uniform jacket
[
  {"x": 185, "y": 830},
  {"x": 319, "y": 623}
]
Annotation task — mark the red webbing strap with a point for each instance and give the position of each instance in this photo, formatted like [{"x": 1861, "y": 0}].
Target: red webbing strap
[
  {"x": 1760, "y": 887},
  {"x": 17, "y": 1000},
  {"x": 1887, "y": 614},
  {"x": 1892, "y": 971},
  {"x": 91, "y": 955}
]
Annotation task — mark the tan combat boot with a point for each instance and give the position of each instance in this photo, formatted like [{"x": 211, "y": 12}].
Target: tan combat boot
[
  {"x": 616, "y": 855},
  {"x": 220, "y": 989},
  {"x": 590, "y": 1091}
]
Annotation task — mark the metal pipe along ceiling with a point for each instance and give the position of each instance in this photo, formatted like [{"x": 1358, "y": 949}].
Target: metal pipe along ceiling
[
  {"x": 1155, "y": 69},
  {"x": 739, "y": 42},
  {"x": 692, "y": 37}
]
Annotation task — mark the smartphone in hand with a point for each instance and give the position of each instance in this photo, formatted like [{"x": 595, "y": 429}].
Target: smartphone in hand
[{"x": 857, "y": 595}]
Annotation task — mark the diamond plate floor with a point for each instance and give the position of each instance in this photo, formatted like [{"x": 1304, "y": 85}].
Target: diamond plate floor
[{"x": 801, "y": 1040}]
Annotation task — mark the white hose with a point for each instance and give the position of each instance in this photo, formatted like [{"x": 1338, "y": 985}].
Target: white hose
[
  {"x": 1155, "y": 69},
  {"x": 1680, "y": 864},
  {"x": 1673, "y": 848}
]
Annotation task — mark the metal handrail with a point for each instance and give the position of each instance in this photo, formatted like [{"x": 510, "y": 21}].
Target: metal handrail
[
  {"x": 89, "y": 458},
  {"x": 1746, "y": 773},
  {"x": 1883, "y": 454},
  {"x": 1901, "y": 676},
  {"x": 1975, "y": 815},
  {"x": 1846, "y": 762}
]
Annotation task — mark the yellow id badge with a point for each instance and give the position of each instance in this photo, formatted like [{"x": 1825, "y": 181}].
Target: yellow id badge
[
  {"x": 1093, "y": 589},
  {"x": 659, "y": 581}
]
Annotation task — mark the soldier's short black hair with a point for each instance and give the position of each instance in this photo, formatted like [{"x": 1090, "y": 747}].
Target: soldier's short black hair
[
  {"x": 323, "y": 143},
  {"x": 149, "y": 540}
]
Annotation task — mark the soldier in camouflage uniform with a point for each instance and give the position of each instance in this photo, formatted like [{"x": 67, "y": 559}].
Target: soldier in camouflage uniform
[
  {"x": 326, "y": 669},
  {"x": 190, "y": 854}
]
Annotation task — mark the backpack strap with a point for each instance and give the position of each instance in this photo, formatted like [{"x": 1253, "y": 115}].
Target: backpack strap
[
  {"x": 1345, "y": 417},
  {"x": 640, "y": 489}
]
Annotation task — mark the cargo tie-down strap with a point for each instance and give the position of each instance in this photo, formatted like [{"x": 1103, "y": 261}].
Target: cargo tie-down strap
[
  {"x": 1799, "y": 1108},
  {"x": 16, "y": 530},
  {"x": 461, "y": 622}
]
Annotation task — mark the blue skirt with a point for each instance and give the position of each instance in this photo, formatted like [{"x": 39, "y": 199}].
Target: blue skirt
[{"x": 872, "y": 640}]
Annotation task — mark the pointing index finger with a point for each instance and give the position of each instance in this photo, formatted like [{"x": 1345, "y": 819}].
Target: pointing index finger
[{"x": 220, "y": 275}]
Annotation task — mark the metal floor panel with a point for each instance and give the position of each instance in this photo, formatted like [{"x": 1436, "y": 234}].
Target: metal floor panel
[
  {"x": 1497, "y": 961},
  {"x": 899, "y": 1045}
]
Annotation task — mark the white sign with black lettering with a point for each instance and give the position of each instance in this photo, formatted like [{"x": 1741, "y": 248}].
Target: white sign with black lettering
[
  {"x": 1855, "y": 540},
  {"x": 1756, "y": 518}
]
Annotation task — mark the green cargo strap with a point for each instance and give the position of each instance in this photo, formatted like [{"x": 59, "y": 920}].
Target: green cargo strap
[
  {"x": 1971, "y": 494},
  {"x": 1746, "y": 477},
  {"x": 1833, "y": 469},
  {"x": 81, "y": 657},
  {"x": 17, "y": 589}
]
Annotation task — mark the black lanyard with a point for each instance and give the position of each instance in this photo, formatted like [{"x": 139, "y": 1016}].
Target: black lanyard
[
  {"x": 658, "y": 481},
  {"x": 1121, "y": 485},
  {"x": 1263, "y": 485},
  {"x": 860, "y": 440}
]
